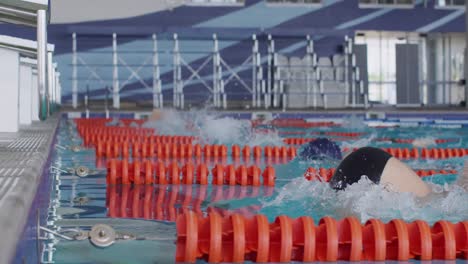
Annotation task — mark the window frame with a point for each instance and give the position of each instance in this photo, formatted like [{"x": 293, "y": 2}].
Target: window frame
[
  {"x": 448, "y": 7},
  {"x": 285, "y": 3},
  {"x": 377, "y": 5},
  {"x": 208, "y": 3}
]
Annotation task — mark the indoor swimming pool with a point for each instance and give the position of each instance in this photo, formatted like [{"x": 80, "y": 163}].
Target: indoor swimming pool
[{"x": 227, "y": 168}]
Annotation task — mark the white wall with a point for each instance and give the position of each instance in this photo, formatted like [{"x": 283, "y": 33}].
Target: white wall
[
  {"x": 9, "y": 80},
  {"x": 25, "y": 94}
]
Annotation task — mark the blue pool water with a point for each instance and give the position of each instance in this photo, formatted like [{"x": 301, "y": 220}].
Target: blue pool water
[{"x": 150, "y": 211}]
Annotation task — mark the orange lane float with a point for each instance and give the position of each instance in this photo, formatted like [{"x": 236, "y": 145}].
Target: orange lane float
[
  {"x": 325, "y": 174},
  {"x": 236, "y": 238},
  {"x": 94, "y": 138},
  {"x": 149, "y": 172},
  {"x": 339, "y": 134},
  {"x": 411, "y": 140},
  {"x": 424, "y": 153},
  {"x": 125, "y": 149},
  {"x": 293, "y": 123},
  {"x": 166, "y": 202}
]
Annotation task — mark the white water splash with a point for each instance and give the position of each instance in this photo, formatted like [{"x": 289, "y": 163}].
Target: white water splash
[
  {"x": 354, "y": 122},
  {"x": 424, "y": 142},
  {"x": 170, "y": 122},
  {"x": 224, "y": 130},
  {"x": 366, "y": 200},
  {"x": 363, "y": 142},
  {"x": 211, "y": 128}
]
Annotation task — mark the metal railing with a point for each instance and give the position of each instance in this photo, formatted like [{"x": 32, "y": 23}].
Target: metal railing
[{"x": 266, "y": 81}]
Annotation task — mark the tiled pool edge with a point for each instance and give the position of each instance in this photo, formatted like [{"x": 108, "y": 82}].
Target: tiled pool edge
[{"x": 18, "y": 220}]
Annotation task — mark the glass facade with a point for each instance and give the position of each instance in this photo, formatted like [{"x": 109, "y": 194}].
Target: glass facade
[{"x": 440, "y": 61}]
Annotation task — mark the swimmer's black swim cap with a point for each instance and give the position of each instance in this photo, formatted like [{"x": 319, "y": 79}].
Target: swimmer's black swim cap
[{"x": 366, "y": 161}]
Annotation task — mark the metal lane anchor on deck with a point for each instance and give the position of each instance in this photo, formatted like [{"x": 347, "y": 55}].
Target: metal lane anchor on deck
[
  {"x": 79, "y": 171},
  {"x": 100, "y": 235}
]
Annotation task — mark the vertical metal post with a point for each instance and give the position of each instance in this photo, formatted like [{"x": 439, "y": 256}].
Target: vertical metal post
[
  {"x": 318, "y": 83},
  {"x": 74, "y": 73},
  {"x": 254, "y": 70},
  {"x": 466, "y": 56},
  {"x": 449, "y": 70},
  {"x": 221, "y": 83},
  {"x": 42, "y": 62},
  {"x": 86, "y": 97},
  {"x": 444, "y": 70},
  {"x": 215, "y": 71},
  {"x": 276, "y": 78},
  {"x": 353, "y": 88},
  {"x": 424, "y": 75},
  {"x": 106, "y": 104},
  {"x": 176, "y": 72},
  {"x": 270, "y": 69},
  {"x": 115, "y": 75},
  {"x": 309, "y": 51},
  {"x": 157, "y": 89},
  {"x": 346, "y": 72},
  {"x": 259, "y": 81}
]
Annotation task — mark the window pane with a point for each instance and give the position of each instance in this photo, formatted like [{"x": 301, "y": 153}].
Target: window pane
[
  {"x": 450, "y": 3},
  {"x": 314, "y": 2},
  {"x": 377, "y": 3}
]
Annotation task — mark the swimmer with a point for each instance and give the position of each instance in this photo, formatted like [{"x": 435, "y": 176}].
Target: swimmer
[
  {"x": 379, "y": 166},
  {"x": 382, "y": 168}
]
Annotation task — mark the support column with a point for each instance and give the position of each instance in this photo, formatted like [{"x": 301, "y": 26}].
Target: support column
[
  {"x": 74, "y": 73},
  {"x": 42, "y": 62},
  {"x": 115, "y": 74},
  {"x": 25, "y": 94}
]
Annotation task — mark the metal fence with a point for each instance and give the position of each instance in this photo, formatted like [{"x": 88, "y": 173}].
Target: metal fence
[{"x": 257, "y": 72}]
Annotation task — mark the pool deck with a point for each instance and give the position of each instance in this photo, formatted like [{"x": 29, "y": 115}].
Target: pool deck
[{"x": 23, "y": 156}]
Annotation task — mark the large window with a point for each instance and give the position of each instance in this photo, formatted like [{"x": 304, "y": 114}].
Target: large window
[
  {"x": 294, "y": 2},
  {"x": 441, "y": 65},
  {"x": 450, "y": 3},
  {"x": 386, "y": 3},
  {"x": 215, "y": 2},
  {"x": 381, "y": 63}
]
